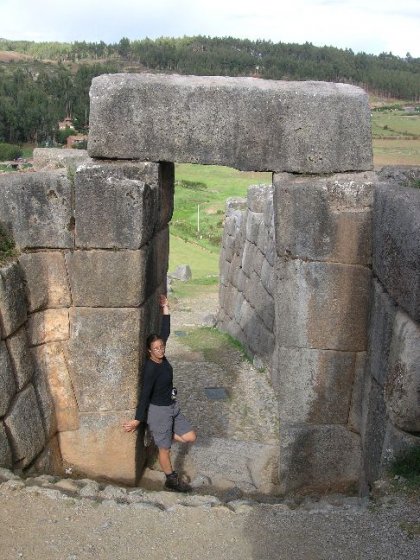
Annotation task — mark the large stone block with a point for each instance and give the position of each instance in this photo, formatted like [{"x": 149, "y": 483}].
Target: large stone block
[
  {"x": 25, "y": 427},
  {"x": 44, "y": 396},
  {"x": 18, "y": 346},
  {"x": 49, "y": 460},
  {"x": 107, "y": 278},
  {"x": 322, "y": 305},
  {"x": 402, "y": 388},
  {"x": 374, "y": 433},
  {"x": 238, "y": 461},
  {"x": 5, "y": 451},
  {"x": 46, "y": 280},
  {"x": 52, "y": 367},
  {"x": 319, "y": 459},
  {"x": 313, "y": 386},
  {"x": 7, "y": 379},
  {"x": 13, "y": 310},
  {"x": 116, "y": 206},
  {"x": 100, "y": 448},
  {"x": 313, "y": 127},
  {"x": 396, "y": 443},
  {"x": 157, "y": 259},
  {"x": 382, "y": 315},
  {"x": 360, "y": 394},
  {"x": 103, "y": 358},
  {"x": 258, "y": 197},
  {"x": 324, "y": 218},
  {"x": 55, "y": 158},
  {"x": 396, "y": 256},
  {"x": 51, "y": 325},
  {"x": 37, "y": 209}
]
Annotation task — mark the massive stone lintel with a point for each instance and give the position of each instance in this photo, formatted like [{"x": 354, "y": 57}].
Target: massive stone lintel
[{"x": 247, "y": 123}]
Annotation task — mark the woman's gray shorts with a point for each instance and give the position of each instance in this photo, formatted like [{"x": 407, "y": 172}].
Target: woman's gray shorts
[{"x": 165, "y": 421}]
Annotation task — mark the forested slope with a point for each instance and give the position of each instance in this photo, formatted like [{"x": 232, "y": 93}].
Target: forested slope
[{"x": 49, "y": 81}]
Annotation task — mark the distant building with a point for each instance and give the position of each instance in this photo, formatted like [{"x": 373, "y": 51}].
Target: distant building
[{"x": 66, "y": 123}]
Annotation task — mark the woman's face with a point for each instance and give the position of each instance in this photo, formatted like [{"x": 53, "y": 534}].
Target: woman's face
[{"x": 157, "y": 350}]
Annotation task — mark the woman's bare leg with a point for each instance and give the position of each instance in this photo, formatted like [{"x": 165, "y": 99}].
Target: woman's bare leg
[
  {"x": 165, "y": 460},
  {"x": 189, "y": 437}
]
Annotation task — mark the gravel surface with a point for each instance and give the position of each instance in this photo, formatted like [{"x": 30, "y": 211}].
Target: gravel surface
[{"x": 52, "y": 522}]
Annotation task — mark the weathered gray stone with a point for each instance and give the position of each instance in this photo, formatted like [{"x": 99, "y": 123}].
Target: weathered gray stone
[
  {"x": 248, "y": 256},
  {"x": 37, "y": 209},
  {"x": 7, "y": 379},
  {"x": 182, "y": 273},
  {"x": 49, "y": 460},
  {"x": 52, "y": 372},
  {"x": 402, "y": 388},
  {"x": 322, "y": 305},
  {"x": 107, "y": 278},
  {"x": 99, "y": 449},
  {"x": 358, "y": 399},
  {"x": 239, "y": 461},
  {"x": 5, "y": 451},
  {"x": 319, "y": 459},
  {"x": 43, "y": 392},
  {"x": 396, "y": 443},
  {"x": 324, "y": 218},
  {"x": 55, "y": 158},
  {"x": 257, "y": 197},
  {"x": 253, "y": 223},
  {"x": 18, "y": 346},
  {"x": 157, "y": 257},
  {"x": 13, "y": 311},
  {"x": 401, "y": 175},
  {"x": 116, "y": 206},
  {"x": 293, "y": 126},
  {"x": 396, "y": 256},
  {"x": 51, "y": 325},
  {"x": 25, "y": 427},
  {"x": 382, "y": 315},
  {"x": 374, "y": 434},
  {"x": 313, "y": 386},
  {"x": 103, "y": 358},
  {"x": 260, "y": 300},
  {"x": 46, "y": 280}
]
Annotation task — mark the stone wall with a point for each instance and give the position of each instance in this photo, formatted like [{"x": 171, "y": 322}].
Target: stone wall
[
  {"x": 302, "y": 248},
  {"x": 28, "y": 431},
  {"x": 390, "y": 404},
  {"x": 350, "y": 386},
  {"x": 94, "y": 248},
  {"x": 247, "y": 275}
]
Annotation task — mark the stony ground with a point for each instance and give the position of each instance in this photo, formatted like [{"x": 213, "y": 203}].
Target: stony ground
[
  {"x": 53, "y": 518},
  {"x": 61, "y": 519}
]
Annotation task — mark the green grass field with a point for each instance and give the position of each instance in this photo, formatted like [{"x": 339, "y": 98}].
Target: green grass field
[
  {"x": 396, "y": 137},
  {"x": 196, "y": 239},
  {"x": 201, "y": 192}
]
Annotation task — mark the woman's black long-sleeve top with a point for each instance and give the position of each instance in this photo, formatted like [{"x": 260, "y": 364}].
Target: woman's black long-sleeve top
[{"x": 157, "y": 379}]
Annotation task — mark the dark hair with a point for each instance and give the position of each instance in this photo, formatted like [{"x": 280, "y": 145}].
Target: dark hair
[{"x": 150, "y": 339}]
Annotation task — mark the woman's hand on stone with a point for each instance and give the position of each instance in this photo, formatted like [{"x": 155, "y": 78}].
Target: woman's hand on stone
[
  {"x": 131, "y": 425},
  {"x": 164, "y": 303}
]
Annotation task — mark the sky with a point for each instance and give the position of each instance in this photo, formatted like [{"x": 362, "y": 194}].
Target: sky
[{"x": 371, "y": 26}]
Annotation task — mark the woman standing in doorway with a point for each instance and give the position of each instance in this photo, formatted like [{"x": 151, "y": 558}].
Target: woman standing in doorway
[{"x": 158, "y": 405}]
